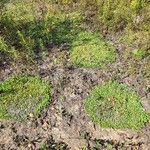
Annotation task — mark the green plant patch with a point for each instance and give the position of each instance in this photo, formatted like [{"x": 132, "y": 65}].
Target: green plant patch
[
  {"x": 21, "y": 96},
  {"x": 21, "y": 11},
  {"x": 30, "y": 27},
  {"x": 4, "y": 48},
  {"x": 114, "y": 105},
  {"x": 139, "y": 53},
  {"x": 67, "y": 25},
  {"x": 91, "y": 50}
]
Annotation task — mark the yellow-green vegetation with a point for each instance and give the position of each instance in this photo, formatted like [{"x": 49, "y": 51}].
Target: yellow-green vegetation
[
  {"x": 138, "y": 39},
  {"x": 21, "y": 96},
  {"x": 27, "y": 27},
  {"x": 91, "y": 50},
  {"x": 114, "y": 105},
  {"x": 129, "y": 20},
  {"x": 7, "y": 50}
]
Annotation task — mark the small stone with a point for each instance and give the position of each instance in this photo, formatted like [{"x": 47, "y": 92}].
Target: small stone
[
  {"x": 29, "y": 145},
  {"x": 45, "y": 125},
  {"x": 31, "y": 115}
]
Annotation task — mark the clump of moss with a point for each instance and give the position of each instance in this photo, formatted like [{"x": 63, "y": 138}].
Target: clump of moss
[
  {"x": 91, "y": 50},
  {"x": 114, "y": 105},
  {"x": 21, "y": 96}
]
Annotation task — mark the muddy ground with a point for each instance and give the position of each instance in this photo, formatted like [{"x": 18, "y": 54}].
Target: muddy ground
[{"x": 64, "y": 123}]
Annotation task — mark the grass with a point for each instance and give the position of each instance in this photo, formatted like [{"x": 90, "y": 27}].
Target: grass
[
  {"x": 90, "y": 50},
  {"x": 128, "y": 21},
  {"x": 114, "y": 105},
  {"x": 21, "y": 96},
  {"x": 6, "y": 49},
  {"x": 52, "y": 144},
  {"x": 30, "y": 27}
]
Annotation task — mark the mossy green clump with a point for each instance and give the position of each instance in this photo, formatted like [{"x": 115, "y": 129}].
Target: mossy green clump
[
  {"x": 21, "y": 96},
  {"x": 114, "y": 105},
  {"x": 91, "y": 50}
]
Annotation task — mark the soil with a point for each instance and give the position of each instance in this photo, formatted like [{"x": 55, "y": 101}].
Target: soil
[{"x": 64, "y": 123}]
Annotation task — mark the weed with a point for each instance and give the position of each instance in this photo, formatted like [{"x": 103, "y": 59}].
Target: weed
[
  {"x": 31, "y": 28},
  {"x": 5, "y": 48},
  {"x": 52, "y": 144},
  {"x": 114, "y": 105},
  {"x": 21, "y": 96}
]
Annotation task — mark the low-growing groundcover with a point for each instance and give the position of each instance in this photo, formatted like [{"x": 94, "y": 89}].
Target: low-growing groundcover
[
  {"x": 90, "y": 50},
  {"x": 114, "y": 105},
  {"x": 21, "y": 96}
]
